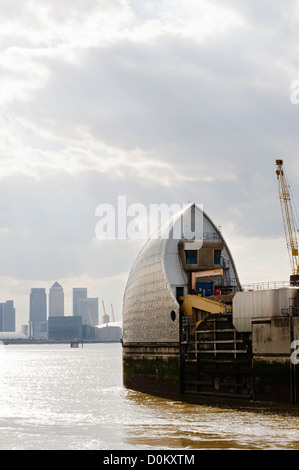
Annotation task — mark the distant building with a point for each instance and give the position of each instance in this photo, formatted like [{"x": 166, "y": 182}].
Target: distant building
[
  {"x": 56, "y": 300},
  {"x": 88, "y": 309},
  {"x": 8, "y": 337},
  {"x": 7, "y": 316},
  {"x": 65, "y": 327},
  {"x": 110, "y": 332},
  {"x": 79, "y": 293},
  {"x": 25, "y": 330},
  {"x": 38, "y": 313}
]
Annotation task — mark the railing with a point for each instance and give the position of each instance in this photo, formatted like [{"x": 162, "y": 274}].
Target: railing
[
  {"x": 291, "y": 311},
  {"x": 211, "y": 236},
  {"x": 265, "y": 286},
  {"x": 231, "y": 288}
]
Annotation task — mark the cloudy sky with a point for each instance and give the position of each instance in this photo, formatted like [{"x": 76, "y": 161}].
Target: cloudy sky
[{"x": 160, "y": 101}]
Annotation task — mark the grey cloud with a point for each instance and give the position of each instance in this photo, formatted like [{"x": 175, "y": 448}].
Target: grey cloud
[
  {"x": 135, "y": 95},
  {"x": 50, "y": 228}
]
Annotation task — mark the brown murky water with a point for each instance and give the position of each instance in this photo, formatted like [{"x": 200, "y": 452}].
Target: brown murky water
[
  {"x": 56, "y": 397},
  {"x": 172, "y": 424}
]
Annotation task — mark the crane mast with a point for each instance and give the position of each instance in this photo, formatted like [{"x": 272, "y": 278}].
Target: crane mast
[
  {"x": 288, "y": 221},
  {"x": 105, "y": 316}
]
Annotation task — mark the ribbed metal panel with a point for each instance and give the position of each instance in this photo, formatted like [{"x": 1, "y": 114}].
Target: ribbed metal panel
[
  {"x": 148, "y": 300},
  {"x": 150, "y": 308},
  {"x": 249, "y": 306}
]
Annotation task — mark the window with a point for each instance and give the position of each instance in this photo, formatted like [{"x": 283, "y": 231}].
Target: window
[
  {"x": 217, "y": 256},
  {"x": 179, "y": 292},
  {"x": 191, "y": 256}
]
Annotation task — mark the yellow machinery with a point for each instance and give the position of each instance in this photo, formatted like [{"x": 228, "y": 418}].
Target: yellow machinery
[
  {"x": 197, "y": 308},
  {"x": 288, "y": 220}
]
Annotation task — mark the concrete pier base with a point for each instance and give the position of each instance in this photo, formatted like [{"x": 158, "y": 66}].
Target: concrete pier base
[{"x": 152, "y": 367}]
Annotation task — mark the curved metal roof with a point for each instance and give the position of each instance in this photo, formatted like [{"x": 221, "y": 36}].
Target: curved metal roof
[
  {"x": 12, "y": 335},
  {"x": 150, "y": 308}
]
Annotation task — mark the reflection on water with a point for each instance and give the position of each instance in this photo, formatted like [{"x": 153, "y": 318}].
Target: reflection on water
[{"x": 57, "y": 397}]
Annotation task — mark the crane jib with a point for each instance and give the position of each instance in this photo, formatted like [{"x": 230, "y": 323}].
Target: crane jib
[{"x": 288, "y": 218}]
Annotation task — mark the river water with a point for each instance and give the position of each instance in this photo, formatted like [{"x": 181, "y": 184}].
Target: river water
[{"x": 54, "y": 397}]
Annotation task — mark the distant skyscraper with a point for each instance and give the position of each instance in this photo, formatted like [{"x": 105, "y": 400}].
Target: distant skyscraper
[
  {"x": 78, "y": 294},
  {"x": 1, "y": 316},
  {"x": 88, "y": 309},
  {"x": 56, "y": 300},
  {"x": 93, "y": 303},
  {"x": 38, "y": 312},
  {"x": 7, "y": 316}
]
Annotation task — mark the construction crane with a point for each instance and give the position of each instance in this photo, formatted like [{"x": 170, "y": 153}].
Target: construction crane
[
  {"x": 105, "y": 316},
  {"x": 112, "y": 311},
  {"x": 288, "y": 221}
]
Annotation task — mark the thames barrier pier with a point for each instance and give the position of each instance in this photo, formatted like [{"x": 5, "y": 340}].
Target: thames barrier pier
[{"x": 191, "y": 329}]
